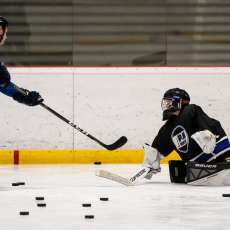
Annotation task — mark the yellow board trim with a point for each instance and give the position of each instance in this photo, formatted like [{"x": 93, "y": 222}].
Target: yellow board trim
[
  {"x": 80, "y": 156},
  {"x": 86, "y": 156},
  {"x": 6, "y": 157},
  {"x": 172, "y": 156}
]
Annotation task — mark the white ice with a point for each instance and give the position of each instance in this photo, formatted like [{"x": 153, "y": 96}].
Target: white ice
[{"x": 154, "y": 205}]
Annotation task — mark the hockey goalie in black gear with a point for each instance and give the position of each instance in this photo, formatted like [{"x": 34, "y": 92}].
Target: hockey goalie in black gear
[
  {"x": 188, "y": 130},
  {"x": 30, "y": 98}
]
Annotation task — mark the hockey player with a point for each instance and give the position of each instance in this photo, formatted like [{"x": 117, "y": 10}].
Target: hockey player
[
  {"x": 199, "y": 140},
  {"x": 8, "y": 88}
]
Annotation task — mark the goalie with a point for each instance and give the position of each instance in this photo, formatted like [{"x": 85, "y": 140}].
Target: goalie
[{"x": 199, "y": 140}]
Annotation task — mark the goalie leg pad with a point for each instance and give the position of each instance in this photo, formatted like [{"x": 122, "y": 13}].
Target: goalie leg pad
[
  {"x": 208, "y": 173},
  {"x": 177, "y": 171}
]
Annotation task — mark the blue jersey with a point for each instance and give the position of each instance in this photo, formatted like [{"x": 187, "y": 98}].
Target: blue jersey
[{"x": 6, "y": 86}]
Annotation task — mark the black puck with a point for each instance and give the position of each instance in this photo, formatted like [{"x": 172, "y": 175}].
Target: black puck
[
  {"x": 104, "y": 198},
  {"x": 39, "y": 198},
  {"x": 15, "y": 184},
  {"x": 89, "y": 216},
  {"x": 97, "y": 163},
  {"x": 24, "y": 213},
  {"x": 21, "y": 183},
  {"x": 226, "y": 195},
  {"x": 18, "y": 183},
  {"x": 86, "y": 205},
  {"x": 41, "y": 205}
]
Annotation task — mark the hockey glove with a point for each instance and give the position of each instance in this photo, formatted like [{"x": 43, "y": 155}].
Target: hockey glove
[
  {"x": 206, "y": 140},
  {"x": 30, "y": 98},
  {"x": 151, "y": 164}
]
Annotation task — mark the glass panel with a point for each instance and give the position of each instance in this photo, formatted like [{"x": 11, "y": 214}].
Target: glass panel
[
  {"x": 117, "y": 32},
  {"x": 40, "y": 32}
]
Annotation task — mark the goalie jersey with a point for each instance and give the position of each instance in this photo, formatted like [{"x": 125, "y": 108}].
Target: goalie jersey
[{"x": 176, "y": 134}]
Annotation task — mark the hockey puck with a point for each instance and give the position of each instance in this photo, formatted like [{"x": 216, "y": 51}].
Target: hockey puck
[
  {"x": 39, "y": 198},
  {"x": 97, "y": 163},
  {"x": 86, "y": 205},
  {"x": 24, "y": 213},
  {"x": 226, "y": 195},
  {"x": 21, "y": 183},
  {"x": 104, "y": 198},
  {"x": 15, "y": 184},
  {"x": 41, "y": 205},
  {"x": 89, "y": 216},
  {"x": 18, "y": 183}
]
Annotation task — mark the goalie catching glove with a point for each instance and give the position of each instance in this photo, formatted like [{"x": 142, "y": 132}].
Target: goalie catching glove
[
  {"x": 30, "y": 98},
  {"x": 206, "y": 140},
  {"x": 151, "y": 164}
]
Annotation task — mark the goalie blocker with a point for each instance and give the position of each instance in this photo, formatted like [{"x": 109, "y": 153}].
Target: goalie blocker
[{"x": 200, "y": 173}]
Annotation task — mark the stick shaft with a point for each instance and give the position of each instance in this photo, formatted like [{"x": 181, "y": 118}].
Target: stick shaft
[{"x": 121, "y": 141}]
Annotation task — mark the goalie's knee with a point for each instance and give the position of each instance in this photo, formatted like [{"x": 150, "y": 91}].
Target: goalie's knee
[{"x": 177, "y": 171}]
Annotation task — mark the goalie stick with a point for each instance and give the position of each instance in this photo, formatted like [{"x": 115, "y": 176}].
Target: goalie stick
[
  {"x": 117, "y": 144},
  {"x": 122, "y": 180},
  {"x": 114, "y": 177}
]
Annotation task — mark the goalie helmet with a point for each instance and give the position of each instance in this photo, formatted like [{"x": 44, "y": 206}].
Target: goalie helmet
[
  {"x": 4, "y": 25},
  {"x": 174, "y": 100}
]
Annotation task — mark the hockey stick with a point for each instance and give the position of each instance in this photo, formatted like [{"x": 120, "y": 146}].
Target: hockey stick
[
  {"x": 114, "y": 177},
  {"x": 117, "y": 144},
  {"x": 122, "y": 180}
]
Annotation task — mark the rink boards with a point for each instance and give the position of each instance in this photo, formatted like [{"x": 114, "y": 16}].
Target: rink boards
[
  {"x": 107, "y": 103},
  {"x": 76, "y": 157}
]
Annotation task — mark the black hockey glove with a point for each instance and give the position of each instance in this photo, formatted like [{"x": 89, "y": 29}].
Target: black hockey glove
[{"x": 27, "y": 97}]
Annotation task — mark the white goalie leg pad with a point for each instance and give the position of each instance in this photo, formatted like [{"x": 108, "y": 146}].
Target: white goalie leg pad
[
  {"x": 221, "y": 178},
  {"x": 206, "y": 140},
  {"x": 151, "y": 164}
]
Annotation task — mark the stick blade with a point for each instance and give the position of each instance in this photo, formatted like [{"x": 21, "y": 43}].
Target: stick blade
[
  {"x": 120, "y": 142},
  {"x": 114, "y": 177}
]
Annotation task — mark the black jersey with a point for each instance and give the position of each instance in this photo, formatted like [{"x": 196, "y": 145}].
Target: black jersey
[{"x": 176, "y": 134}]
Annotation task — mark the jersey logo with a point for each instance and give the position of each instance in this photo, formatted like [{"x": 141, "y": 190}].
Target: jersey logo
[{"x": 180, "y": 139}]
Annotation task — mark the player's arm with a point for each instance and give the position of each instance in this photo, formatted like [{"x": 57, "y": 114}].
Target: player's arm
[
  {"x": 8, "y": 88},
  {"x": 204, "y": 138}
]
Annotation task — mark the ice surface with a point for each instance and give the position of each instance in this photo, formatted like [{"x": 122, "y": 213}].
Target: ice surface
[{"x": 153, "y": 205}]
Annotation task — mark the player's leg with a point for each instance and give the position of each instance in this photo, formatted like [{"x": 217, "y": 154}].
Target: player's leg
[
  {"x": 194, "y": 173},
  {"x": 177, "y": 171},
  {"x": 216, "y": 174}
]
